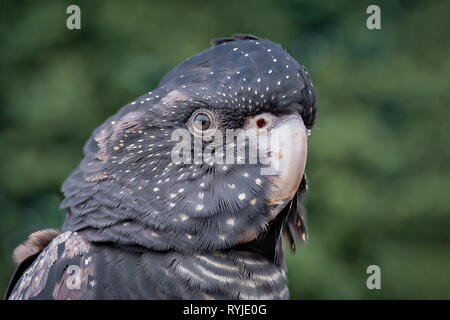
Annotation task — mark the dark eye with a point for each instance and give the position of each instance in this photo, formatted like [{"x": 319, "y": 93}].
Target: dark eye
[
  {"x": 261, "y": 123},
  {"x": 202, "y": 121}
]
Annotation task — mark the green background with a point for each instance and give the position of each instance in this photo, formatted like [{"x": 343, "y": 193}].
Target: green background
[{"x": 378, "y": 158}]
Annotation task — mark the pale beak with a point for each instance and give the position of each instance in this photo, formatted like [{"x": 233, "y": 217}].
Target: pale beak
[
  {"x": 287, "y": 151},
  {"x": 287, "y": 160}
]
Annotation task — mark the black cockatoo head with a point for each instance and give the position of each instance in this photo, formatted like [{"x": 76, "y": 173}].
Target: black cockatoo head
[{"x": 129, "y": 190}]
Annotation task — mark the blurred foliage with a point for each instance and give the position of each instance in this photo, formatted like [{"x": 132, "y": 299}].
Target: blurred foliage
[{"x": 379, "y": 155}]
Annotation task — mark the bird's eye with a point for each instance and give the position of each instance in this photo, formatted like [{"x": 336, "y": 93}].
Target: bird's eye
[
  {"x": 261, "y": 123},
  {"x": 202, "y": 121}
]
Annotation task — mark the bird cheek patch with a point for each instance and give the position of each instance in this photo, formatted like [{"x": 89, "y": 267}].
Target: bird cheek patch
[
  {"x": 175, "y": 96},
  {"x": 163, "y": 111},
  {"x": 101, "y": 176},
  {"x": 111, "y": 133}
]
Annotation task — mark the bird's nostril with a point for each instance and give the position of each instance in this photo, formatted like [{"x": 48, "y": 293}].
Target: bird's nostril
[{"x": 261, "y": 123}]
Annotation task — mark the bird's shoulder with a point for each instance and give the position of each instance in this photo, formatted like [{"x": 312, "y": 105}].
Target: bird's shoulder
[
  {"x": 72, "y": 268},
  {"x": 36, "y": 275}
]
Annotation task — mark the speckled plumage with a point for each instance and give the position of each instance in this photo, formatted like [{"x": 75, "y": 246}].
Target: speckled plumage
[{"x": 150, "y": 228}]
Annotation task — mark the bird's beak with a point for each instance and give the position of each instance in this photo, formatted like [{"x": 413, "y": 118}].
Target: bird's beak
[
  {"x": 288, "y": 150},
  {"x": 286, "y": 147}
]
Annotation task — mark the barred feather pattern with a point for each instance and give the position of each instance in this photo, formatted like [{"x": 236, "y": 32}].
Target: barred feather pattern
[{"x": 110, "y": 272}]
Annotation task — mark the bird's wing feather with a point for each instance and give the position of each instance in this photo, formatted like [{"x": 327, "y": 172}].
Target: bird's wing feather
[
  {"x": 40, "y": 279},
  {"x": 21, "y": 268},
  {"x": 70, "y": 268}
]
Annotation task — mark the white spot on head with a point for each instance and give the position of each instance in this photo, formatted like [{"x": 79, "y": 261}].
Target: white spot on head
[{"x": 242, "y": 196}]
